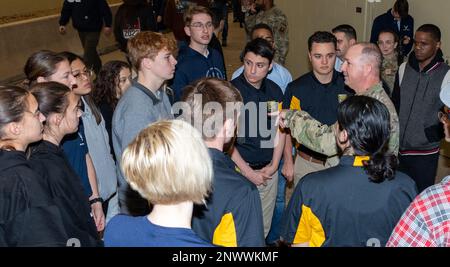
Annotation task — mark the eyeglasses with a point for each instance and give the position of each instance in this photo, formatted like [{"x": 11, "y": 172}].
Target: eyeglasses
[
  {"x": 86, "y": 74},
  {"x": 200, "y": 25}
]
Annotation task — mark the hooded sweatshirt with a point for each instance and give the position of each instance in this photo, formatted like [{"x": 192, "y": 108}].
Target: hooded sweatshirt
[
  {"x": 132, "y": 17},
  {"x": 417, "y": 102},
  {"x": 65, "y": 188},
  {"x": 193, "y": 66},
  {"x": 27, "y": 215}
]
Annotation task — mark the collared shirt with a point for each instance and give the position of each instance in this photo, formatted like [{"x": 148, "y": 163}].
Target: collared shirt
[
  {"x": 256, "y": 130},
  {"x": 319, "y": 100},
  {"x": 279, "y": 75},
  {"x": 136, "y": 109},
  {"x": 426, "y": 223},
  {"x": 232, "y": 216},
  {"x": 338, "y": 64},
  {"x": 340, "y": 206}
]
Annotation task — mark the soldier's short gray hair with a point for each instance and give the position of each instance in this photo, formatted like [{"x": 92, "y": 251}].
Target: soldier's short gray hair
[{"x": 371, "y": 54}]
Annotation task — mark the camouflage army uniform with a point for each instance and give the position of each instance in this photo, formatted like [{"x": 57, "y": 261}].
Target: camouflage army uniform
[
  {"x": 277, "y": 20},
  {"x": 388, "y": 70},
  {"x": 321, "y": 137}
]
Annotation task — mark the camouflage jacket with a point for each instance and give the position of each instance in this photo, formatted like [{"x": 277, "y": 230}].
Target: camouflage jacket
[
  {"x": 388, "y": 71},
  {"x": 277, "y": 20},
  {"x": 321, "y": 137}
]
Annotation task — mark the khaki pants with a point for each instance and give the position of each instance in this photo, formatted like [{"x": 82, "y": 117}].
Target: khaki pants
[
  {"x": 303, "y": 167},
  {"x": 268, "y": 195}
]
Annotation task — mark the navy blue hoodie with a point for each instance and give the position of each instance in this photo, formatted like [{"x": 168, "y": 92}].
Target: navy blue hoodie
[
  {"x": 193, "y": 66},
  {"x": 387, "y": 21}
]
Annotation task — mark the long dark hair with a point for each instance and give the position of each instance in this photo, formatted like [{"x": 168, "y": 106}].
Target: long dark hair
[
  {"x": 88, "y": 98},
  {"x": 106, "y": 83},
  {"x": 52, "y": 97},
  {"x": 367, "y": 122},
  {"x": 13, "y": 104}
]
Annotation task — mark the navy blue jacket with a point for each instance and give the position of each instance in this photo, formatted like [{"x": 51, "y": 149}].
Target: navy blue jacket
[
  {"x": 87, "y": 15},
  {"x": 387, "y": 21},
  {"x": 193, "y": 66},
  {"x": 233, "y": 214},
  {"x": 341, "y": 207}
]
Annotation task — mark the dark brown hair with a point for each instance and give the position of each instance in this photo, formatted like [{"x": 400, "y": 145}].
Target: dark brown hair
[
  {"x": 51, "y": 96},
  {"x": 88, "y": 98},
  {"x": 402, "y": 8},
  {"x": 41, "y": 64},
  {"x": 107, "y": 81},
  {"x": 13, "y": 104}
]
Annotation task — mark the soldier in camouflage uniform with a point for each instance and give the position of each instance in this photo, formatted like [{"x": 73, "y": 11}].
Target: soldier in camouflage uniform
[
  {"x": 321, "y": 138},
  {"x": 264, "y": 11},
  {"x": 388, "y": 44},
  {"x": 388, "y": 70}
]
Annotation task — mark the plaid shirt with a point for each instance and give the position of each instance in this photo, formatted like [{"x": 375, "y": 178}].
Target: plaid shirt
[{"x": 426, "y": 223}]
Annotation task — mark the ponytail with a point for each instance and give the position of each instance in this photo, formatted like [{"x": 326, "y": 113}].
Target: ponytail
[{"x": 381, "y": 166}]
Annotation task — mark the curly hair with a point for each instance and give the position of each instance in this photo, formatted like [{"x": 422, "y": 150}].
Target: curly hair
[{"x": 106, "y": 83}]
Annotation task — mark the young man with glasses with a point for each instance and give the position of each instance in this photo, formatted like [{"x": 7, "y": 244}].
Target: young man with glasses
[{"x": 197, "y": 60}]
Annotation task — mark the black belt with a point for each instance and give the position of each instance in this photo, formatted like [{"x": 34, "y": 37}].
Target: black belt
[{"x": 259, "y": 165}]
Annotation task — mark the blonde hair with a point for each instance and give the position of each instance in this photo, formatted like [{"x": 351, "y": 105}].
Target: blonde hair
[
  {"x": 168, "y": 163},
  {"x": 147, "y": 45}
]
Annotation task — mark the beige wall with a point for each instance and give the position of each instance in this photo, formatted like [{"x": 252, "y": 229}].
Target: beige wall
[{"x": 307, "y": 16}]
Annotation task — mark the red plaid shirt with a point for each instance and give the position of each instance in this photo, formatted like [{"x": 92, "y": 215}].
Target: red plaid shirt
[{"x": 426, "y": 223}]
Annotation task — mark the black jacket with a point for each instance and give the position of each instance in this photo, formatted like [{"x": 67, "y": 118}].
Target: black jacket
[
  {"x": 87, "y": 15},
  {"x": 132, "y": 18},
  {"x": 233, "y": 211},
  {"x": 387, "y": 21},
  {"x": 65, "y": 189},
  {"x": 27, "y": 215}
]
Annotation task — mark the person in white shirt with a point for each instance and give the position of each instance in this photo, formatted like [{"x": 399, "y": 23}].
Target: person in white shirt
[{"x": 279, "y": 74}]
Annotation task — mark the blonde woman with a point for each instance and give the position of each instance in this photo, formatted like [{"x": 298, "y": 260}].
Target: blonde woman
[{"x": 156, "y": 166}]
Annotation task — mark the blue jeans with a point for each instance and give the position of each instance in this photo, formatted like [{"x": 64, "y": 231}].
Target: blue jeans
[{"x": 274, "y": 233}]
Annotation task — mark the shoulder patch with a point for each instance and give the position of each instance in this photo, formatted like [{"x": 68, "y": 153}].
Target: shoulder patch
[{"x": 295, "y": 103}]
